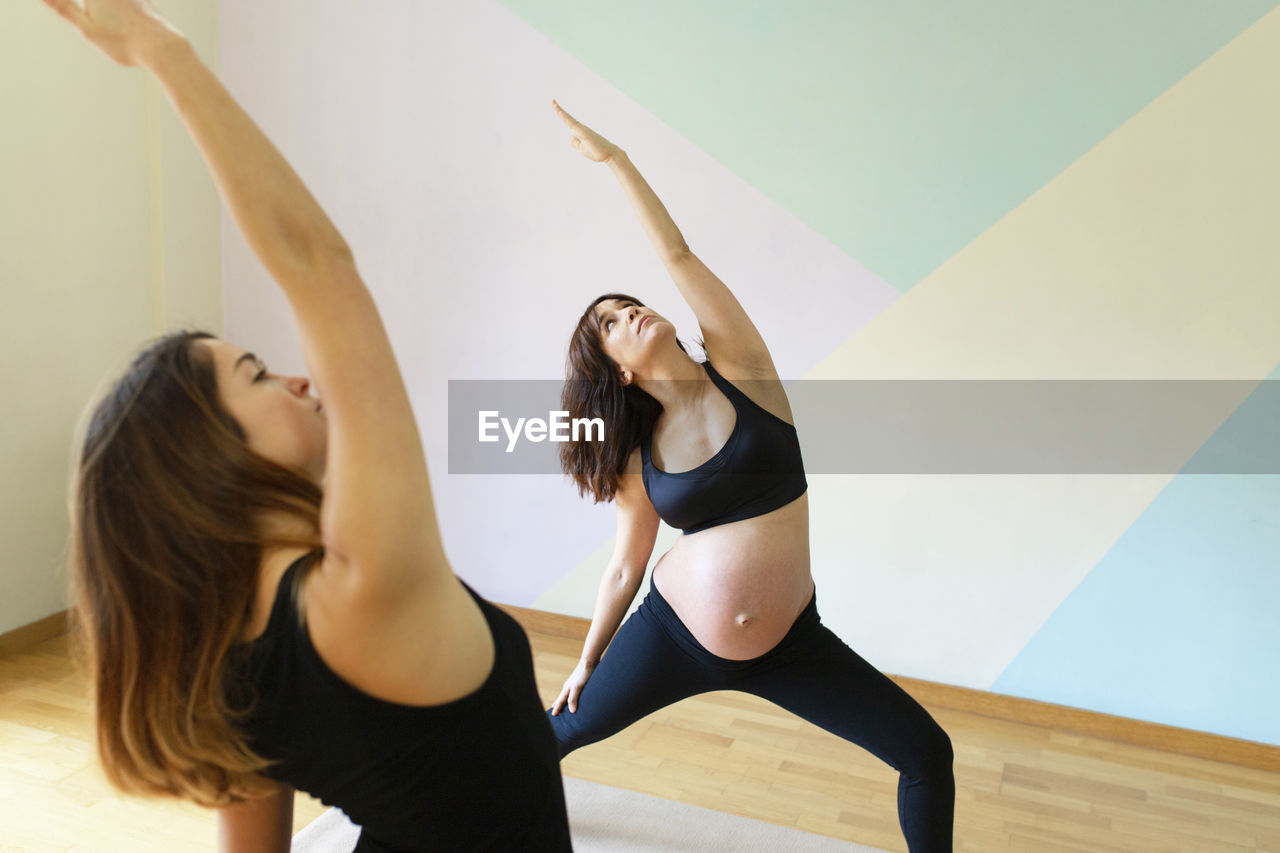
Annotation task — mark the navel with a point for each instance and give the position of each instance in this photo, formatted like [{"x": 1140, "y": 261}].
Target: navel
[{"x": 742, "y": 620}]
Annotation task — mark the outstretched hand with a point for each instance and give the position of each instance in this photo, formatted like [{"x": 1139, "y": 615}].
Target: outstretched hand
[
  {"x": 572, "y": 689},
  {"x": 122, "y": 29},
  {"x": 592, "y": 145}
]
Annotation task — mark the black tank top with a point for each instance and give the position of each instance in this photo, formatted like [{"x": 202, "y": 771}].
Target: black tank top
[
  {"x": 478, "y": 773},
  {"x": 758, "y": 470}
]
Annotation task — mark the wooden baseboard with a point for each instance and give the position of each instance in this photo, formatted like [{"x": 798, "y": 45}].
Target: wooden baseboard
[
  {"x": 21, "y": 639},
  {"x": 932, "y": 694}
]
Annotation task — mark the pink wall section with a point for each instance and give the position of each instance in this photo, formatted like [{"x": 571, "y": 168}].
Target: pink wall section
[{"x": 426, "y": 131}]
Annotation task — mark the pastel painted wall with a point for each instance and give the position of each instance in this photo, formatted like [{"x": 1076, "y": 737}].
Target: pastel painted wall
[
  {"x": 893, "y": 190},
  {"x": 108, "y": 234}
]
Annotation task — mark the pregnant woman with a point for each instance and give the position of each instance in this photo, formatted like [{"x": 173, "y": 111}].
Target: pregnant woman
[
  {"x": 261, "y": 584},
  {"x": 710, "y": 448}
]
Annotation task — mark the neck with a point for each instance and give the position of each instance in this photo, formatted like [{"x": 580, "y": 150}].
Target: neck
[{"x": 678, "y": 382}]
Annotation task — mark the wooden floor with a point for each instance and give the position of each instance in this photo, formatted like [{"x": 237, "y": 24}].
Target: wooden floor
[{"x": 1020, "y": 787}]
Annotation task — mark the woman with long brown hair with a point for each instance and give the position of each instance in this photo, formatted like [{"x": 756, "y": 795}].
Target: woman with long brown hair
[
  {"x": 712, "y": 450},
  {"x": 261, "y": 587}
]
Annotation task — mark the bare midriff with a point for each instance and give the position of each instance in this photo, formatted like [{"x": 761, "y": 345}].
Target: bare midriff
[{"x": 738, "y": 587}]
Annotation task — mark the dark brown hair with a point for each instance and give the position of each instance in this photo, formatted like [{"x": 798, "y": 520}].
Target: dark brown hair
[
  {"x": 165, "y": 555},
  {"x": 593, "y": 389}
]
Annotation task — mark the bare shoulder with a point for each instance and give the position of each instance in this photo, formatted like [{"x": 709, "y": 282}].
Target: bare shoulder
[
  {"x": 631, "y": 495},
  {"x": 425, "y": 645},
  {"x": 633, "y": 469}
]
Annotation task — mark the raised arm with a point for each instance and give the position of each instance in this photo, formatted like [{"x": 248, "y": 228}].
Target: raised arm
[
  {"x": 378, "y": 521},
  {"x": 637, "y": 531},
  {"x": 725, "y": 326}
]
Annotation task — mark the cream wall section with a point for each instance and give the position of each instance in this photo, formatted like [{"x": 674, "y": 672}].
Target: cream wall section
[
  {"x": 108, "y": 233},
  {"x": 186, "y": 219}
]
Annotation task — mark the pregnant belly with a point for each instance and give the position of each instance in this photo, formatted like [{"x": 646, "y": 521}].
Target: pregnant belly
[{"x": 739, "y": 587}]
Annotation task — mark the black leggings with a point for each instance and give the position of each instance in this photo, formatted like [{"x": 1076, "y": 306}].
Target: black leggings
[{"x": 654, "y": 661}]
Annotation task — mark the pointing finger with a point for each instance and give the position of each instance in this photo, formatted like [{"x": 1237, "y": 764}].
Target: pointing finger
[{"x": 568, "y": 119}]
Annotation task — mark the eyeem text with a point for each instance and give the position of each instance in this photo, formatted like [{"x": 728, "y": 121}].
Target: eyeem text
[{"x": 558, "y": 427}]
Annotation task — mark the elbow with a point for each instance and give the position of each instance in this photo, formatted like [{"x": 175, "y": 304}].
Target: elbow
[
  {"x": 624, "y": 576},
  {"x": 331, "y": 253},
  {"x": 297, "y": 264},
  {"x": 317, "y": 268},
  {"x": 679, "y": 255},
  {"x": 308, "y": 245}
]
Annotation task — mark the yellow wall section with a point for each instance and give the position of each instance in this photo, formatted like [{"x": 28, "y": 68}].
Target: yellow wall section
[{"x": 1151, "y": 257}]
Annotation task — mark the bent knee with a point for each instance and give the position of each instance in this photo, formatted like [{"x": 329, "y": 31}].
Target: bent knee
[
  {"x": 933, "y": 754},
  {"x": 569, "y": 734},
  {"x": 943, "y": 752}
]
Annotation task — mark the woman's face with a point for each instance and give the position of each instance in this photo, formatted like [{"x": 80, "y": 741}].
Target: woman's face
[
  {"x": 281, "y": 421},
  {"x": 629, "y": 332}
]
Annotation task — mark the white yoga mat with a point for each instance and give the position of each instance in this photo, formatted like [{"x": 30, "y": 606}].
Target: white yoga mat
[{"x": 604, "y": 819}]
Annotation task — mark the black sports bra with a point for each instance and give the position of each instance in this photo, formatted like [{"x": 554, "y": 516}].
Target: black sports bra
[{"x": 758, "y": 470}]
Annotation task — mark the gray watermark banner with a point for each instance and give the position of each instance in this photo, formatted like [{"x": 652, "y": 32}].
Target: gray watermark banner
[{"x": 1055, "y": 426}]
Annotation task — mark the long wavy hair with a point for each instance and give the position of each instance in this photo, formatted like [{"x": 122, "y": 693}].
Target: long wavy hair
[
  {"x": 592, "y": 389},
  {"x": 165, "y": 555}
]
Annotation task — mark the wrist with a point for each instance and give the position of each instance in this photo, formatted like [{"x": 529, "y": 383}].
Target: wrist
[
  {"x": 618, "y": 159},
  {"x": 162, "y": 52}
]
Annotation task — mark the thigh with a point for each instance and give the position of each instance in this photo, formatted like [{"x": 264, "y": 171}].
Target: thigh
[
  {"x": 642, "y": 671},
  {"x": 820, "y": 679}
]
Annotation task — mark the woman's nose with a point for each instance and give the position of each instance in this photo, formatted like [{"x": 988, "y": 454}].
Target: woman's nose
[{"x": 299, "y": 385}]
